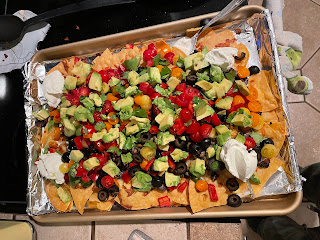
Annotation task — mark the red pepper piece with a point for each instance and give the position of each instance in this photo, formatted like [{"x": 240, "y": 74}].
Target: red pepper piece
[
  {"x": 171, "y": 188},
  {"x": 126, "y": 177},
  {"x": 85, "y": 179},
  {"x": 99, "y": 146},
  {"x": 213, "y": 192},
  {"x": 171, "y": 163},
  {"x": 80, "y": 170},
  {"x": 144, "y": 87},
  {"x": 164, "y": 201},
  {"x": 154, "y": 130},
  {"x": 182, "y": 186},
  {"x": 78, "y": 142},
  {"x": 93, "y": 175},
  {"x": 149, "y": 164},
  {"x": 215, "y": 120}
]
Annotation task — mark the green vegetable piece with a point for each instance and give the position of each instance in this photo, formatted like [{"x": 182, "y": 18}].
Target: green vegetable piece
[
  {"x": 231, "y": 75},
  {"x": 114, "y": 150},
  {"x": 76, "y": 155},
  {"x": 178, "y": 155},
  {"x": 111, "y": 168},
  {"x": 198, "y": 167},
  {"x": 165, "y": 72},
  {"x": 70, "y": 82},
  {"x": 132, "y": 64},
  {"x": 216, "y": 73},
  {"x": 141, "y": 182},
  {"x": 254, "y": 178},
  {"x": 96, "y": 99},
  {"x": 139, "y": 112},
  {"x": 99, "y": 126},
  {"x": 63, "y": 195},
  {"x": 81, "y": 69},
  {"x": 91, "y": 163},
  {"x": 163, "y": 138},
  {"x": 172, "y": 180},
  {"x": 80, "y": 114},
  {"x": 154, "y": 75},
  {"x": 150, "y": 144},
  {"x": 161, "y": 164},
  {"x": 257, "y": 137},
  {"x": 126, "y": 158},
  {"x": 95, "y": 82}
]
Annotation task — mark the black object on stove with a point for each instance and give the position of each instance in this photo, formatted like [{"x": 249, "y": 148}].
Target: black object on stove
[{"x": 66, "y": 29}]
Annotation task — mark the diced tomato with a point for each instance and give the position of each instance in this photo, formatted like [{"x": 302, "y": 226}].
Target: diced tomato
[
  {"x": 211, "y": 102},
  {"x": 121, "y": 128},
  {"x": 107, "y": 181},
  {"x": 87, "y": 140},
  {"x": 164, "y": 201},
  {"x": 144, "y": 87},
  {"x": 84, "y": 91},
  {"x": 196, "y": 137},
  {"x": 150, "y": 63},
  {"x": 213, "y": 193},
  {"x": 121, "y": 69},
  {"x": 150, "y": 91},
  {"x": 169, "y": 57},
  {"x": 97, "y": 117},
  {"x": 107, "y": 74},
  {"x": 164, "y": 85},
  {"x": 76, "y": 59},
  {"x": 154, "y": 130},
  {"x": 132, "y": 164},
  {"x": 235, "y": 107},
  {"x": 126, "y": 177},
  {"x": 99, "y": 146},
  {"x": 129, "y": 46},
  {"x": 155, "y": 110},
  {"x": 93, "y": 175},
  {"x": 155, "y": 95},
  {"x": 152, "y": 46},
  {"x": 191, "y": 92},
  {"x": 73, "y": 99},
  {"x": 107, "y": 107},
  {"x": 194, "y": 127},
  {"x": 182, "y": 186},
  {"x": 172, "y": 99},
  {"x": 207, "y": 119},
  {"x": 181, "y": 87},
  {"x": 249, "y": 143},
  {"x": 88, "y": 129},
  {"x": 111, "y": 144},
  {"x": 52, "y": 150},
  {"x": 185, "y": 115},
  {"x": 80, "y": 170},
  {"x": 89, "y": 76},
  {"x": 215, "y": 120},
  {"x": 148, "y": 54},
  {"x": 78, "y": 142},
  {"x": 171, "y": 163},
  {"x": 181, "y": 101},
  {"x": 205, "y": 130},
  {"x": 66, "y": 177},
  {"x": 149, "y": 164},
  {"x": 85, "y": 179}
]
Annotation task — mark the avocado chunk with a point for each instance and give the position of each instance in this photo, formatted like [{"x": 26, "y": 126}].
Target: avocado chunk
[
  {"x": 105, "y": 87},
  {"x": 80, "y": 114},
  {"x": 171, "y": 180},
  {"x": 91, "y": 163},
  {"x": 141, "y": 182},
  {"x": 231, "y": 75},
  {"x": 240, "y": 138},
  {"x": 216, "y": 73},
  {"x": 98, "y": 135},
  {"x": 227, "y": 84},
  {"x": 161, "y": 164},
  {"x": 225, "y": 103},
  {"x": 212, "y": 133},
  {"x": 70, "y": 82},
  {"x": 126, "y": 158},
  {"x": 154, "y": 75},
  {"x": 133, "y": 78},
  {"x": 202, "y": 110},
  {"x": 87, "y": 102},
  {"x": 63, "y": 195},
  {"x": 96, "y": 99},
  {"x": 76, "y": 155},
  {"x": 65, "y": 102},
  {"x": 122, "y": 140},
  {"x": 41, "y": 115},
  {"x": 242, "y": 120},
  {"x": 218, "y": 151},
  {"x": 132, "y": 129},
  {"x": 198, "y": 168},
  {"x": 220, "y": 90},
  {"x": 173, "y": 82},
  {"x": 165, "y": 119},
  {"x": 188, "y": 61},
  {"x": 164, "y": 138},
  {"x": 95, "y": 82},
  {"x": 131, "y": 90},
  {"x": 122, "y": 103},
  {"x": 81, "y": 69},
  {"x": 178, "y": 155},
  {"x": 144, "y": 78},
  {"x": 70, "y": 111},
  {"x": 113, "y": 134},
  {"x": 210, "y": 152},
  {"x": 221, "y": 129},
  {"x": 243, "y": 88},
  {"x": 223, "y": 138},
  {"x": 111, "y": 168},
  {"x": 69, "y": 128},
  {"x": 199, "y": 63},
  {"x": 164, "y": 147},
  {"x": 205, "y": 85},
  {"x": 114, "y": 81}
]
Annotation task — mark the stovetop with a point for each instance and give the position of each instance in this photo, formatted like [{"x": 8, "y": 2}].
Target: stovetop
[{"x": 66, "y": 29}]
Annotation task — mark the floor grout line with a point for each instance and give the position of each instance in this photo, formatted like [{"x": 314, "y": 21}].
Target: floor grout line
[
  {"x": 315, "y": 2},
  {"x": 93, "y": 230},
  {"x": 309, "y": 59},
  {"x": 13, "y": 216},
  {"x": 188, "y": 231},
  {"x": 312, "y": 106}
]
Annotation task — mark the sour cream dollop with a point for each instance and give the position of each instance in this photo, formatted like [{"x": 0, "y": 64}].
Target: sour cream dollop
[
  {"x": 48, "y": 166},
  {"x": 52, "y": 88},
  {"x": 184, "y": 44},
  {"x": 222, "y": 57},
  {"x": 239, "y": 162}
]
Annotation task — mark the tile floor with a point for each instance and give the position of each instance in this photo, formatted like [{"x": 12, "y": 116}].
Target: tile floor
[{"x": 304, "y": 111}]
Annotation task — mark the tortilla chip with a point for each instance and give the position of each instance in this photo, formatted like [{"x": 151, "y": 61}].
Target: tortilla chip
[
  {"x": 95, "y": 203},
  {"x": 65, "y": 67},
  {"x": 265, "y": 95},
  {"x": 109, "y": 60},
  {"x": 213, "y": 38},
  {"x": 265, "y": 173},
  {"x": 270, "y": 117},
  {"x": 276, "y": 131},
  {"x": 80, "y": 197},
  {"x": 241, "y": 48},
  {"x": 52, "y": 194},
  {"x": 138, "y": 200},
  {"x": 178, "y": 52},
  {"x": 243, "y": 189},
  {"x": 178, "y": 197},
  {"x": 201, "y": 200}
]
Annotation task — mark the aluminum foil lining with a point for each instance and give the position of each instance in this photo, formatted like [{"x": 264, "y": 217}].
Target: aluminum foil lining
[{"x": 257, "y": 34}]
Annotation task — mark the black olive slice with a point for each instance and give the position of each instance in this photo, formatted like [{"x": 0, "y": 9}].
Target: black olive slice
[
  {"x": 266, "y": 141},
  {"x": 205, "y": 143},
  {"x": 98, "y": 183},
  {"x": 264, "y": 163},
  {"x": 144, "y": 137},
  {"x": 242, "y": 56},
  {"x": 232, "y": 184},
  {"x": 103, "y": 195},
  {"x": 137, "y": 157},
  {"x": 133, "y": 170},
  {"x": 179, "y": 143},
  {"x": 214, "y": 176},
  {"x": 191, "y": 80},
  {"x": 254, "y": 70},
  {"x": 234, "y": 200},
  {"x": 213, "y": 165},
  {"x": 113, "y": 190},
  {"x": 157, "y": 181},
  {"x": 181, "y": 168},
  {"x": 65, "y": 157},
  {"x": 195, "y": 149}
]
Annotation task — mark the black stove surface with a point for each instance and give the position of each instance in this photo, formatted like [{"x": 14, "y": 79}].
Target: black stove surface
[{"x": 66, "y": 29}]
